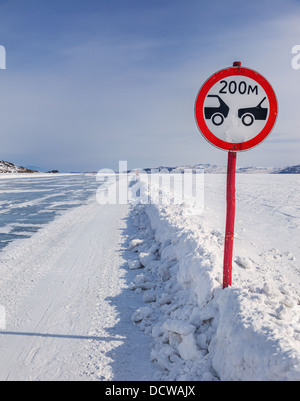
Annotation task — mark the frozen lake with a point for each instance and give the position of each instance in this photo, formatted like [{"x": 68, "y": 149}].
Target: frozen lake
[
  {"x": 67, "y": 291},
  {"x": 27, "y": 203}
]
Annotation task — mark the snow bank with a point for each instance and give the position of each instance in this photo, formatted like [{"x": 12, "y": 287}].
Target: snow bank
[
  {"x": 251, "y": 345},
  {"x": 201, "y": 332}
]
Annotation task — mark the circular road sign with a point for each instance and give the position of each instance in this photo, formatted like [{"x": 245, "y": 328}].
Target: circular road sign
[{"x": 236, "y": 109}]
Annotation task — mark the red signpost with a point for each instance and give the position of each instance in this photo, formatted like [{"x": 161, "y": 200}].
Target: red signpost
[
  {"x": 230, "y": 218},
  {"x": 235, "y": 110}
]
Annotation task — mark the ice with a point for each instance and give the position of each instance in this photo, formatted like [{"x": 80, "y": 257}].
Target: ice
[{"x": 33, "y": 200}]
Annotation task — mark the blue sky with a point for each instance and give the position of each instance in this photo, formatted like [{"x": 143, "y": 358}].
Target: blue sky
[{"x": 89, "y": 83}]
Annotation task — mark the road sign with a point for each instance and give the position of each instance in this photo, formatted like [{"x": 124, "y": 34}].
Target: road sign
[{"x": 236, "y": 109}]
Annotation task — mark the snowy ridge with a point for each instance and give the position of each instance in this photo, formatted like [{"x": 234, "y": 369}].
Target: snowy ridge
[
  {"x": 7, "y": 167},
  {"x": 290, "y": 170},
  {"x": 214, "y": 169},
  {"x": 201, "y": 332}
]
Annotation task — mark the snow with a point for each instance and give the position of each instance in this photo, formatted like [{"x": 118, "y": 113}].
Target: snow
[
  {"x": 118, "y": 292},
  {"x": 65, "y": 293},
  {"x": 250, "y": 331}
]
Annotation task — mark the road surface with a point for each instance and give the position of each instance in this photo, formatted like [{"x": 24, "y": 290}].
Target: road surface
[{"x": 67, "y": 303}]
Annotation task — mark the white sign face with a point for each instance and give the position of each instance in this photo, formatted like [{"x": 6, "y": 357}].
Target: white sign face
[{"x": 236, "y": 109}]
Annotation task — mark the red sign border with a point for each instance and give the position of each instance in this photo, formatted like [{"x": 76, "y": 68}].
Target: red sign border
[{"x": 199, "y": 114}]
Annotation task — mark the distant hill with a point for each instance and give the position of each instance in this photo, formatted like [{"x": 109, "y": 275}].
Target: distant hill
[
  {"x": 290, "y": 170},
  {"x": 214, "y": 169},
  {"x": 7, "y": 167}
]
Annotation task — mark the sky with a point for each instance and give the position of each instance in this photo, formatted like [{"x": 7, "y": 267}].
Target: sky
[{"x": 90, "y": 83}]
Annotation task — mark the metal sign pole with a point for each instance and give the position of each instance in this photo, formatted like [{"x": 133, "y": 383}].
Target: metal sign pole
[{"x": 230, "y": 218}]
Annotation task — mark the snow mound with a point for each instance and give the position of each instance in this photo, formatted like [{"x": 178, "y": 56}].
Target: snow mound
[{"x": 199, "y": 331}]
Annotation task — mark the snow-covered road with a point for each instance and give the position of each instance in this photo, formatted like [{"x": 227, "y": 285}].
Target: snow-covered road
[{"x": 68, "y": 306}]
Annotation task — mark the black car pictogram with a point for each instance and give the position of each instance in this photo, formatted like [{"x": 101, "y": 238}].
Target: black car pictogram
[
  {"x": 217, "y": 114},
  {"x": 249, "y": 114}
]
